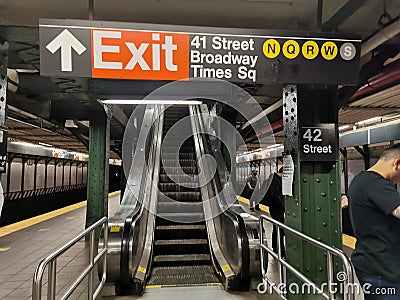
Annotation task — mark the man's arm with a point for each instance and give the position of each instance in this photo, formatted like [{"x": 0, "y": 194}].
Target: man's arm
[
  {"x": 249, "y": 185},
  {"x": 396, "y": 212}
]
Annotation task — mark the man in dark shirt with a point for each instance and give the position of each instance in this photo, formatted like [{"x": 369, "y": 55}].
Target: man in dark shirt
[
  {"x": 374, "y": 206},
  {"x": 274, "y": 199},
  {"x": 251, "y": 183}
]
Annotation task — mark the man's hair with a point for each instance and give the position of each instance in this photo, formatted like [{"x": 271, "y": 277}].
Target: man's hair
[
  {"x": 280, "y": 170},
  {"x": 391, "y": 153}
]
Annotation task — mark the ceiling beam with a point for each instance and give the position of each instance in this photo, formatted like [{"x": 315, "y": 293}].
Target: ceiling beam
[
  {"x": 81, "y": 138},
  {"x": 119, "y": 115},
  {"x": 342, "y": 14}
]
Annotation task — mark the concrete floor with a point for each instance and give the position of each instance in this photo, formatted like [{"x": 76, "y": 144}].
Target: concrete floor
[
  {"x": 24, "y": 249},
  {"x": 192, "y": 293},
  {"x": 21, "y": 252}
]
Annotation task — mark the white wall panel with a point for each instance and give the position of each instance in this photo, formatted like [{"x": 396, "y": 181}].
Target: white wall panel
[
  {"x": 40, "y": 176},
  {"x": 16, "y": 175}
]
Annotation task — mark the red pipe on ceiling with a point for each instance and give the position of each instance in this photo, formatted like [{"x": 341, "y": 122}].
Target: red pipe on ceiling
[
  {"x": 266, "y": 129},
  {"x": 391, "y": 74}
]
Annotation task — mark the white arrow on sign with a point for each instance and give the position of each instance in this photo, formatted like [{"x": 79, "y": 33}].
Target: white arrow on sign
[{"x": 66, "y": 41}]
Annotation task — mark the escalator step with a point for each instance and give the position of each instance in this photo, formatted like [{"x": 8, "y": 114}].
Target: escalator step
[
  {"x": 175, "y": 169},
  {"x": 182, "y": 242},
  {"x": 175, "y": 146},
  {"x": 179, "y": 207},
  {"x": 182, "y": 162},
  {"x": 183, "y": 196},
  {"x": 181, "y": 155},
  {"x": 183, "y": 259},
  {"x": 182, "y": 227},
  {"x": 182, "y": 217},
  {"x": 180, "y": 232},
  {"x": 175, "y": 143},
  {"x": 174, "y": 187},
  {"x": 183, "y": 275},
  {"x": 177, "y": 178}
]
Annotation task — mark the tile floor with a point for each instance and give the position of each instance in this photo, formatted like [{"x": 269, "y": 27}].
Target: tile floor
[{"x": 28, "y": 246}]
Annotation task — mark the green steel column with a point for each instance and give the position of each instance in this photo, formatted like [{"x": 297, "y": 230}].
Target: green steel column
[
  {"x": 315, "y": 206},
  {"x": 229, "y": 145},
  {"x": 99, "y": 152}
]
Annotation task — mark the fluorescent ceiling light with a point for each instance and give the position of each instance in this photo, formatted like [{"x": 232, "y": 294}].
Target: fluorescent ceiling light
[
  {"x": 371, "y": 127},
  {"x": 344, "y": 127},
  {"x": 44, "y": 144},
  {"x": 27, "y": 71},
  {"x": 367, "y": 121},
  {"x": 166, "y": 102}
]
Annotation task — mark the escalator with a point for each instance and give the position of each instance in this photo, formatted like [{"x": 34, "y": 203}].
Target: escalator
[
  {"x": 181, "y": 252},
  {"x": 174, "y": 226}
]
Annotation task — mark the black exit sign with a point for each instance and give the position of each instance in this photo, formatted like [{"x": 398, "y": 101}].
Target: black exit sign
[{"x": 318, "y": 142}]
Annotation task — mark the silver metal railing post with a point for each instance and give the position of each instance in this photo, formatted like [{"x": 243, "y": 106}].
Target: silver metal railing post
[
  {"x": 51, "y": 284},
  {"x": 285, "y": 266},
  {"x": 329, "y": 259},
  {"x": 51, "y": 262},
  {"x": 91, "y": 261},
  {"x": 278, "y": 236}
]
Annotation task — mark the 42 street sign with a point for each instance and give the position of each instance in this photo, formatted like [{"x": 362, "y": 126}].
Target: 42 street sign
[
  {"x": 165, "y": 52},
  {"x": 318, "y": 142}
]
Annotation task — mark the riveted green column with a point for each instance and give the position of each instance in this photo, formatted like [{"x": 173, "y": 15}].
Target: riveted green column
[
  {"x": 99, "y": 153},
  {"x": 3, "y": 98},
  {"x": 315, "y": 207},
  {"x": 229, "y": 145}
]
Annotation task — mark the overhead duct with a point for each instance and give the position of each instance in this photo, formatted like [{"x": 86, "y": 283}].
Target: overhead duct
[
  {"x": 12, "y": 80},
  {"x": 380, "y": 37},
  {"x": 267, "y": 111}
]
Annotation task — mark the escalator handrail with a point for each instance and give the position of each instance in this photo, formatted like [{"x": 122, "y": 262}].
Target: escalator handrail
[
  {"x": 234, "y": 217},
  {"x": 133, "y": 217}
]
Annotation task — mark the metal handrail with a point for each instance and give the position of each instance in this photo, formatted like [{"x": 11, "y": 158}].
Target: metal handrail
[
  {"x": 51, "y": 260},
  {"x": 284, "y": 265}
]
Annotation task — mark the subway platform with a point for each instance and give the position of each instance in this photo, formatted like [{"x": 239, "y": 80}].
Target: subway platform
[{"x": 24, "y": 244}]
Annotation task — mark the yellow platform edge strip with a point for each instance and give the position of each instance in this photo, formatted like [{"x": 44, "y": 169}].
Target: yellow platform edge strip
[
  {"x": 6, "y": 230},
  {"x": 348, "y": 241}
]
